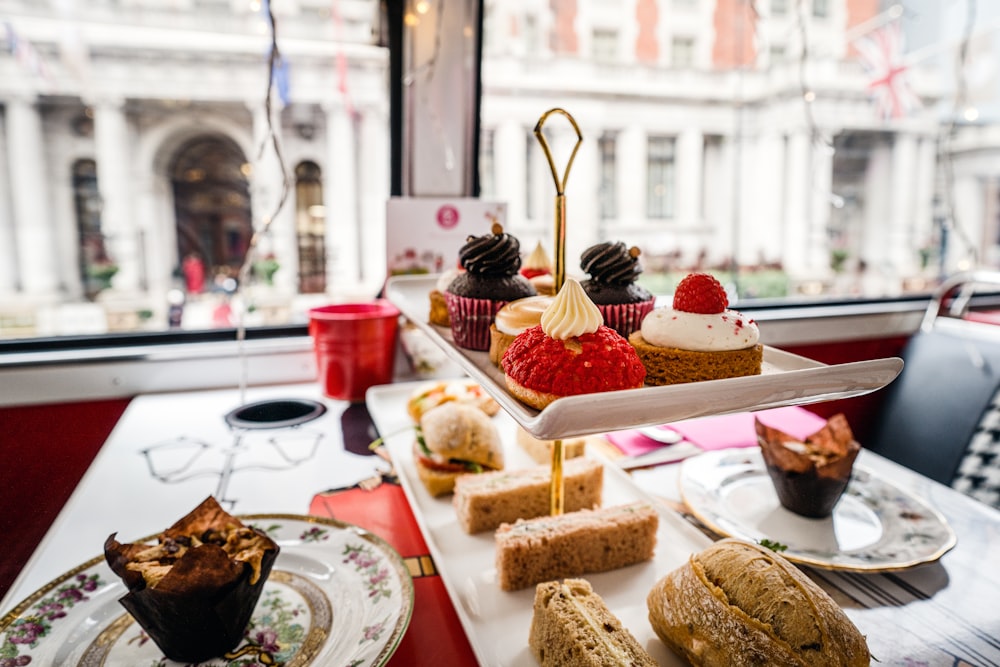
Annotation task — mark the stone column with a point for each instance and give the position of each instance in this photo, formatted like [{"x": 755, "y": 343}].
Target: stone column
[
  {"x": 924, "y": 206},
  {"x": 761, "y": 229},
  {"x": 797, "y": 200},
  {"x": 510, "y": 171},
  {"x": 583, "y": 209},
  {"x": 266, "y": 185},
  {"x": 690, "y": 154},
  {"x": 901, "y": 251},
  {"x": 122, "y": 235},
  {"x": 34, "y": 235},
  {"x": 820, "y": 192},
  {"x": 374, "y": 188},
  {"x": 8, "y": 239},
  {"x": 630, "y": 175},
  {"x": 340, "y": 198}
]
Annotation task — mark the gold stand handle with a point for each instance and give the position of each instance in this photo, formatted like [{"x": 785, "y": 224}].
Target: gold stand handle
[
  {"x": 556, "y": 498},
  {"x": 560, "y": 217}
]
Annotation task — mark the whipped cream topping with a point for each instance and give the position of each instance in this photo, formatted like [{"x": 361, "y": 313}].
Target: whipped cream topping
[
  {"x": 571, "y": 313},
  {"x": 716, "y": 332},
  {"x": 538, "y": 259},
  {"x": 521, "y": 314}
]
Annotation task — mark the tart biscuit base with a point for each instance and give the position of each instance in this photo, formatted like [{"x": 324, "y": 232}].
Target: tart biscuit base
[{"x": 672, "y": 365}]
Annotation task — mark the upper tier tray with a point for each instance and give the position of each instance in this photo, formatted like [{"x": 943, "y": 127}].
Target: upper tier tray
[{"x": 785, "y": 379}]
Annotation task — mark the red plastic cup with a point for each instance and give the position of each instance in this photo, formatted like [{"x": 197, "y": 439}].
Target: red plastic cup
[{"x": 355, "y": 346}]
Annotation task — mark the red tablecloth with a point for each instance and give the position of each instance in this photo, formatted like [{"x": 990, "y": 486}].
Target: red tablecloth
[{"x": 435, "y": 636}]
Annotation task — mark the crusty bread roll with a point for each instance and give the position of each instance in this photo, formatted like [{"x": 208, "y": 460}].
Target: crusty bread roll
[
  {"x": 572, "y": 627},
  {"x": 737, "y": 603}
]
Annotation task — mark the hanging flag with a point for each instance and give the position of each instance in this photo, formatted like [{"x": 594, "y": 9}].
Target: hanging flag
[
  {"x": 279, "y": 70},
  {"x": 25, "y": 53},
  {"x": 881, "y": 54},
  {"x": 342, "y": 65}
]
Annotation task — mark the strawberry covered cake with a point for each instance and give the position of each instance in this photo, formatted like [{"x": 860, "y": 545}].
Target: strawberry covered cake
[
  {"x": 571, "y": 352},
  {"x": 698, "y": 338}
]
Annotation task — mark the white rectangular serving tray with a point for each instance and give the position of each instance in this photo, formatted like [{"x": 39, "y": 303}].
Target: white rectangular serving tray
[
  {"x": 497, "y": 622},
  {"x": 785, "y": 379}
]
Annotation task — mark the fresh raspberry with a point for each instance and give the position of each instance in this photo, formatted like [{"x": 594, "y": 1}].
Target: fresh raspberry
[{"x": 700, "y": 293}]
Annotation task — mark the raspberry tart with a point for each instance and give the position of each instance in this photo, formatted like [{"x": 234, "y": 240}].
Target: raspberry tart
[
  {"x": 699, "y": 338},
  {"x": 571, "y": 352}
]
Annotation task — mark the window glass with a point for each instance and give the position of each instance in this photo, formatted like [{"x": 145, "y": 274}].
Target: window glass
[
  {"x": 140, "y": 152},
  {"x": 605, "y": 45},
  {"x": 849, "y": 146},
  {"x": 682, "y": 52},
  {"x": 795, "y": 156},
  {"x": 660, "y": 178}
]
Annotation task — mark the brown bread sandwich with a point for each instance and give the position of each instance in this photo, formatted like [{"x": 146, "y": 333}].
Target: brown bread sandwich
[
  {"x": 455, "y": 439},
  {"x": 572, "y": 627},
  {"x": 193, "y": 592},
  {"x": 739, "y": 604}
]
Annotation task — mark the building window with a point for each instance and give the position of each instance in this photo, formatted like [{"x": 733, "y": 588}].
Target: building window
[
  {"x": 532, "y": 36},
  {"x": 604, "y": 47},
  {"x": 310, "y": 227},
  {"x": 96, "y": 268},
  {"x": 779, "y": 7},
  {"x": 660, "y": 175},
  {"x": 607, "y": 191},
  {"x": 777, "y": 52},
  {"x": 682, "y": 51},
  {"x": 821, "y": 8}
]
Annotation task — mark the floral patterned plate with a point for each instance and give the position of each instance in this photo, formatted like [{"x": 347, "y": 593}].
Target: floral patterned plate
[
  {"x": 875, "y": 526},
  {"x": 337, "y": 596}
]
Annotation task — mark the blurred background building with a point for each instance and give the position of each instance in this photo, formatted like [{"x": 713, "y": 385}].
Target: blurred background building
[{"x": 802, "y": 147}]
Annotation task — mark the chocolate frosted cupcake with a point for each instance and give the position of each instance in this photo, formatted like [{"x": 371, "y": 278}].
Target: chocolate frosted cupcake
[
  {"x": 612, "y": 286},
  {"x": 810, "y": 477},
  {"x": 194, "y": 591},
  {"x": 491, "y": 279}
]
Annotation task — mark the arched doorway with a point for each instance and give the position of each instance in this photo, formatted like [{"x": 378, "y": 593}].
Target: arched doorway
[{"x": 212, "y": 208}]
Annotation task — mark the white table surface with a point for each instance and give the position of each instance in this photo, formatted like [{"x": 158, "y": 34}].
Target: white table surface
[{"x": 189, "y": 442}]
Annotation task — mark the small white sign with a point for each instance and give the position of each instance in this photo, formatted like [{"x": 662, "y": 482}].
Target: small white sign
[{"x": 424, "y": 235}]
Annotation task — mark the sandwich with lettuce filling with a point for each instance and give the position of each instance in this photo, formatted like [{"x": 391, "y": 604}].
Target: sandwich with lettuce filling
[{"x": 455, "y": 439}]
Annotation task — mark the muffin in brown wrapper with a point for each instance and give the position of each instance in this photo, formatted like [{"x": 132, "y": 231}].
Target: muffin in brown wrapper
[
  {"x": 809, "y": 477},
  {"x": 195, "y": 590}
]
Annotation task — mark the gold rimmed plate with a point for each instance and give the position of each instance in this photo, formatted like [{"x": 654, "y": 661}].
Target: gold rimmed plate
[
  {"x": 338, "y": 595},
  {"x": 875, "y": 527}
]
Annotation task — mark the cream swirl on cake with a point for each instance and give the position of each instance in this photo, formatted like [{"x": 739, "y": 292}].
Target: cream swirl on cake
[
  {"x": 571, "y": 313},
  {"x": 713, "y": 332},
  {"x": 518, "y": 315}
]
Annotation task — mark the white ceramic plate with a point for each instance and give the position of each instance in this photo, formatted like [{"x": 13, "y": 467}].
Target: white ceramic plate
[
  {"x": 875, "y": 527},
  {"x": 786, "y": 379},
  {"x": 497, "y": 622},
  {"x": 337, "y": 595}
]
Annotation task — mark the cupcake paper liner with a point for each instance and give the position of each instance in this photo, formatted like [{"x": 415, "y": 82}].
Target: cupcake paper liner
[
  {"x": 626, "y": 317},
  {"x": 471, "y": 320}
]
